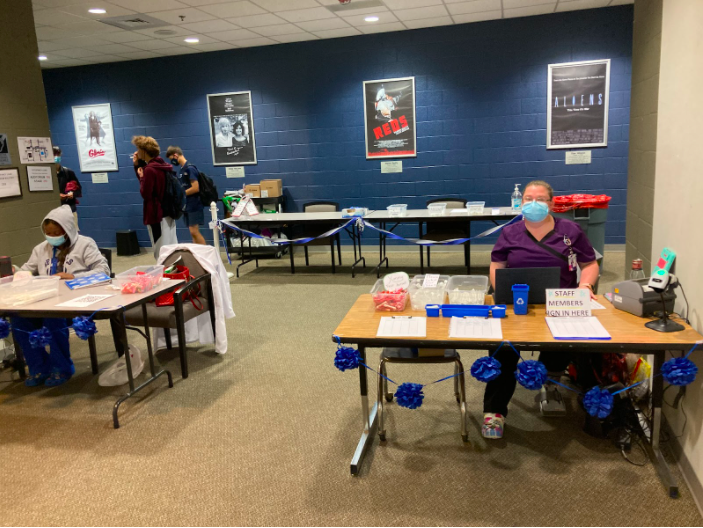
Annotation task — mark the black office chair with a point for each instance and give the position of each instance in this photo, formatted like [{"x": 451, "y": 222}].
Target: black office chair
[
  {"x": 445, "y": 230},
  {"x": 107, "y": 253},
  {"x": 313, "y": 231}
]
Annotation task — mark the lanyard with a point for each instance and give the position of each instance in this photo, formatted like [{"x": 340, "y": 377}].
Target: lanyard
[
  {"x": 572, "y": 256},
  {"x": 54, "y": 263}
]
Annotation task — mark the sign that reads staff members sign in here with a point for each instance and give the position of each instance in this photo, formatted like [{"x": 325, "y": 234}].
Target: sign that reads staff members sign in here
[{"x": 569, "y": 303}]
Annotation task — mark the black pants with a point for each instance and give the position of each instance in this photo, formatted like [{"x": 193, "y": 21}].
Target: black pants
[
  {"x": 500, "y": 391},
  {"x": 156, "y": 231}
]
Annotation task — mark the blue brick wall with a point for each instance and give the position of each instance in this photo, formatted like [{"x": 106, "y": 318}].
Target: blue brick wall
[{"x": 481, "y": 115}]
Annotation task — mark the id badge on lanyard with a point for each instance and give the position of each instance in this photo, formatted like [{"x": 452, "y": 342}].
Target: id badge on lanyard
[
  {"x": 54, "y": 263},
  {"x": 572, "y": 256}
]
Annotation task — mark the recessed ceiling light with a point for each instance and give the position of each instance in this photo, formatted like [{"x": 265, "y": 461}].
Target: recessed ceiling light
[
  {"x": 371, "y": 19},
  {"x": 192, "y": 40},
  {"x": 97, "y": 11},
  {"x": 41, "y": 57}
]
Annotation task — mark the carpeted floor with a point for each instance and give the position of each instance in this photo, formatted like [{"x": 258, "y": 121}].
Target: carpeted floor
[{"x": 264, "y": 434}]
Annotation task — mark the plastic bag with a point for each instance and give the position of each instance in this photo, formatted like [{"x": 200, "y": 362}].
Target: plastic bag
[{"x": 566, "y": 203}]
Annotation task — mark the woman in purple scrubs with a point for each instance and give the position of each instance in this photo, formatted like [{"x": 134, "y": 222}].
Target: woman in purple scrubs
[{"x": 522, "y": 245}]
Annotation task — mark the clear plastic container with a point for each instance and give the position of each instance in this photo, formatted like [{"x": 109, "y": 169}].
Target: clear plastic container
[
  {"x": 467, "y": 289},
  {"x": 27, "y": 291},
  {"x": 419, "y": 296},
  {"x": 475, "y": 208},
  {"x": 388, "y": 302},
  {"x": 437, "y": 209},
  {"x": 397, "y": 209},
  {"x": 139, "y": 279}
]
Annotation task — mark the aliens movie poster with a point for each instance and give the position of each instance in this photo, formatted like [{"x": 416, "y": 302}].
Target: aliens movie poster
[
  {"x": 389, "y": 116},
  {"x": 577, "y": 104},
  {"x": 231, "y": 123}
]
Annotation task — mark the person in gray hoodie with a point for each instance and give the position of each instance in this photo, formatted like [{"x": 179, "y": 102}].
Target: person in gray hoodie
[{"x": 69, "y": 255}]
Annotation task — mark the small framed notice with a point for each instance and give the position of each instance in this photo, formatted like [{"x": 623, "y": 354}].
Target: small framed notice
[
  {"x": 100, "y": 177},
  {"x": 10, "y": 183},
  {"x": 40, "y": 178},
  {"x": 578, "y": 157},
  {"x": 569, "y": 302},
  {"x": 388, "y": 167},
  {"x": 234, "y": 172}
]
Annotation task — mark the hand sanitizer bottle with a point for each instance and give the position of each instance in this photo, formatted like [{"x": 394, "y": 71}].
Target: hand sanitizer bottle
[{"x": 516, "y": 199}]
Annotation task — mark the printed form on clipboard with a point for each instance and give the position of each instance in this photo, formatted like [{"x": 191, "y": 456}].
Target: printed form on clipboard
[
  {"x": 402, "y": 326},
  {"x": 576, "y": 328}
]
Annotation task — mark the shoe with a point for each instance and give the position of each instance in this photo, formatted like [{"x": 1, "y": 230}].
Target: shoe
[
  {"x": 36, "y": 380},
  {"x": 59, "y": 378},
  {"x": 116, "y": 374},
  {"x": 493, "y": 424}
]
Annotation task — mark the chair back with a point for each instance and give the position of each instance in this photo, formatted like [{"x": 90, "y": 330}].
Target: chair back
[
  {"x": 189, "y": 261},
  {"x": 320, "y": 207},
  {"x": 107, "y": 253},
  {"x": 452, "y": 203}
]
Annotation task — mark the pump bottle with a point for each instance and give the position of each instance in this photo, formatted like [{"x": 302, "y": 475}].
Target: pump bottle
[{"x": 516, "y": 199}]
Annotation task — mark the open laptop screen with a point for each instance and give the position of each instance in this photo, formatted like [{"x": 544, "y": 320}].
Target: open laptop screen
[{"x": 539, "y": 279}]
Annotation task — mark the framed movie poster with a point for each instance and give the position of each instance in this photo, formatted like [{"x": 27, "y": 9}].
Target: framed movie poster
[
  {"x": 577, "y": 104},
  {"x": 231, "y": 128},
  {"x": 389, "y": 117},
  {"x": 95, "y": 137}
]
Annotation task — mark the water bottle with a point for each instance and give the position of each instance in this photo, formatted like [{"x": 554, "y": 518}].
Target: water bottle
[
  {"x": 637, "y": 272},
  {"x": 516, "y": 199}
]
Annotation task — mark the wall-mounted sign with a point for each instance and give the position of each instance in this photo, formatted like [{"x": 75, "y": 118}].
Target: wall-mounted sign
[
  {"x": 95, "y": 137},
  {"x": 4, "y": 151},
  {"x": 100, "y": 177},
  {"x": 10, "y": 183},
  {"x": 40, "y": 178},
  {"x": 35, "y": 150},
  {"x": 577, "y": 104},
  {"x": 389, "y": 116},
  {"x": 577, "y": 157},
  {"x": 231, "y": 128},
  {"x": 234, "y": 172},
  {"x": 388, "y": 167}
]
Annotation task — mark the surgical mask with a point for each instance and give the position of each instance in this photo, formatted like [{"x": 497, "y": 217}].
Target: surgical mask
[
  {"x": 55, "y": 241},
  {"x": 57, "y": 159},
  {"x": 535, "y": 211},
  {"x": 174, "y": 162}
]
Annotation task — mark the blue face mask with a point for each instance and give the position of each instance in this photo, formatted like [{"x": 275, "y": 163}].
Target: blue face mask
[
  {"x": 57, "y": 159},
  {"x": 535, "y": 211},
  {"x": 55, "y": 241}
]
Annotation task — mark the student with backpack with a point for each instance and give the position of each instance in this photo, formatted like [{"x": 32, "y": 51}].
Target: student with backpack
[
  {"x": 199, "y": 190},
  {"x": 154, "y": 174}
]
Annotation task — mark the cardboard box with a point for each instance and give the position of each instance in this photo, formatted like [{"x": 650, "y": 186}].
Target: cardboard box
[
  {"x": 271, "y": 188},
  {"x": 254, "y": 189}
]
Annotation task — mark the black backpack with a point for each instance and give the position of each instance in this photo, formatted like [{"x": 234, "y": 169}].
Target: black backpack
[
  {"x": 174, "y": 200},
  {"x": 208, "y": 189}
]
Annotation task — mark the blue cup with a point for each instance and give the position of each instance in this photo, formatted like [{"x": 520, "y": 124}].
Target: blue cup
[{"x": 520, "y": 294}]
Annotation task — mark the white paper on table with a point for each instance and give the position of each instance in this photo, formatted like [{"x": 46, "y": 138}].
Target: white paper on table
[
  {"x": 459, "y": 211},
  {"x": 576, "y": 328},
  {"x": 402, "y": 326},
  {"x": 595, "y": 305},
  {"x": 475, "y": 327},
  {"x": 85, "y": 300}
]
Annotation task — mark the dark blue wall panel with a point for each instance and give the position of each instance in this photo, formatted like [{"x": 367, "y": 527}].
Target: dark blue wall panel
[{"x": 481, "y": 109}]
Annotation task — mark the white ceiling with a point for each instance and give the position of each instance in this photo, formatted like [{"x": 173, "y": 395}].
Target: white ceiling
[{"x": 69, "y": 35}]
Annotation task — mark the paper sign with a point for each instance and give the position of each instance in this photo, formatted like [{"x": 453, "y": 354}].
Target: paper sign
[
  {"x": 4, "y": 151},
  {"x": 35, "y": 150},
  {"x": 388, "y": 167},
  {"x": 86, "y": 300},
  {"x": 495, "y": 211},
  {"x": 430, "y": 281},
  {"x": 10, "y": 183},
  {"x": 569, "y": 302},
  {"x": 40, "y": 178},
  {"x": 234, "y": 172},
  {"x": 578, "y": 157},
  {"x": 396, "y": 281},
  {"x": 264, "y": 194},
  {"x": 251, "y": 208},
  {"x": 99, "y": 177},
  {"x": 240, "y": 207}
]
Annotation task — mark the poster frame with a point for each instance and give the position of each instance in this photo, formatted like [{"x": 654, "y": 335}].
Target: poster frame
[
  {"x": 414, "y": 120},
  {"x": 114, "y": 165},
  {"x": 254, "y": 161}
]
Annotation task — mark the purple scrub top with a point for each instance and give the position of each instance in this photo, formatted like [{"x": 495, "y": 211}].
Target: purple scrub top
[{"x": 515, "y": 247}]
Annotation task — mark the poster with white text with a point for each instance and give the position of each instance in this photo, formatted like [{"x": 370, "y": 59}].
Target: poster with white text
[
  {"x": 95, "y": 138},
  {"x": 389, "y": 116},
  {"x": 231, "y": 122}
]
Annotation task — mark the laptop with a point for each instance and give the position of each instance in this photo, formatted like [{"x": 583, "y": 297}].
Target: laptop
[{"x": 539, "y": 279}]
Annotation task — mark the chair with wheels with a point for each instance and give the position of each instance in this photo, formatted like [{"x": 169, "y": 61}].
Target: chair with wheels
[
  {"x": 313, "y": 231},
  {"x": 445, "y": 230},
  {"x": 184, "y": 308},
  {"x": 410, "y": 355}
]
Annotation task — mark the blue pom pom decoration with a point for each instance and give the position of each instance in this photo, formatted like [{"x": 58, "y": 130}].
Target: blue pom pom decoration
[
  {"x": 4, "y": 328},
  {"x": 598, "y": 402},
  {"x": 531, "y": 374},
  {"x": 409, "y": 395},
  {"x": 40, "y": 338},
  {"x": 347, "y": 358},
  {"x": 485, "y": 369},
  {"x": 679, "y": 371},
  {"x": 84, "y": 327}
]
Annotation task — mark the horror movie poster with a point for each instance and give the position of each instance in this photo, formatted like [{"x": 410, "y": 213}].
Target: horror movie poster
[
  {"x": 389, "y": 116},
  {"x": 577, "y": 106},
  {"x": 231, "y": 128},
  {"x": 95, "y": 138}
]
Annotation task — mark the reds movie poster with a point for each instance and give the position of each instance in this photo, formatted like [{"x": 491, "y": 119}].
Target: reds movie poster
[
  {"x": 95, "y": 137},
  {"x": 389, "y": 116},
  {"x": 577, "y": 107}
]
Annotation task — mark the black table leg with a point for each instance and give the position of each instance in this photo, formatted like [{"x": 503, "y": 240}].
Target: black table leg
[
  {"x": 19, "y": 355},
  {"x": 422, "y": 249}
]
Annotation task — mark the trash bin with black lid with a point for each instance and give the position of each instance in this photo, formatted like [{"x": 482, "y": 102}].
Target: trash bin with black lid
[{"x": 127, "y": 243}]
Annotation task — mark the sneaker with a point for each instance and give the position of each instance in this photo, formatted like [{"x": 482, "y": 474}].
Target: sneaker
[{"x": 493, "y": 424}]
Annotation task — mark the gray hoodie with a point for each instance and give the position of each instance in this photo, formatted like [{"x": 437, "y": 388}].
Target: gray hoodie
[{"x": 83, "y": 257}]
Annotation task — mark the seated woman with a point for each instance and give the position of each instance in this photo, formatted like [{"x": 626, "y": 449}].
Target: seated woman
[
  {"x": 69, "y": 255},
  {"x": 521, "y": 245}
]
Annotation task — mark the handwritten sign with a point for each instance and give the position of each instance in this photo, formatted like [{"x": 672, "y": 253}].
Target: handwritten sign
[
  {"x": 430, "y": 281},
  {"x": 569, "y": 303},
  {"x": 396, "y": 281}
]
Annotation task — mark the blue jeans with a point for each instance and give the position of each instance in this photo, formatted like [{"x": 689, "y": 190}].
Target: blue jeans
[{"x": 37, "y": 358}]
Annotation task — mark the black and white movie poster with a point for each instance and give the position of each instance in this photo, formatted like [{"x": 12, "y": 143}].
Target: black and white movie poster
[
  {"x": 231, "y": 128},
  {"x": 577, "y": 104},
  {"x": 389, "y": 116}
]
